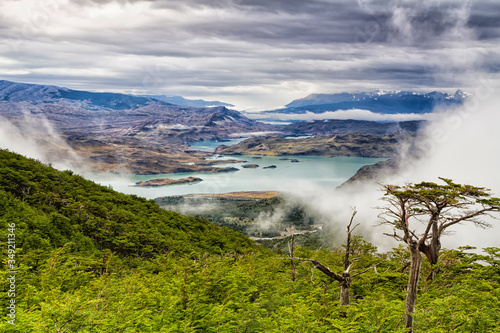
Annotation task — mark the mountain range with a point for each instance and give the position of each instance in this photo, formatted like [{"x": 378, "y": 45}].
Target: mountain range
[
  {"x": 149, "y": 134},
  {"x": 19, "y": 92},
  {"x": 378, "y": 102},
  {"x": 35, "y": 94},
  {"x": 112, "y": 130},
  {"x": 350, "y": 126}
]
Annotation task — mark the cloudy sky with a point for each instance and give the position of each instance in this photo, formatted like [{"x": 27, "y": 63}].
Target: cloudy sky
[{"x": 257, "y": 54}]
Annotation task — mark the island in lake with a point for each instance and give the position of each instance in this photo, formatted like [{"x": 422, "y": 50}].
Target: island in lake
[
  {"x": 167, "y": 181},
  {"x": 250, "y": 166}
]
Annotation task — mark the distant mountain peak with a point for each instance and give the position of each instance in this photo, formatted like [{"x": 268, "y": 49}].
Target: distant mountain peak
[{"x": 181, "y": 101}]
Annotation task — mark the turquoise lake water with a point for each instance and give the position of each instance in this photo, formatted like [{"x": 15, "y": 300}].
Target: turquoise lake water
[
  {"x": 211, "y": 145},
  {"x": 287, "y": 176}
]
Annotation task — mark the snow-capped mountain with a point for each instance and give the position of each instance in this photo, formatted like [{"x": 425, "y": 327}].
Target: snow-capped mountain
[{"x": 378, "y": 102}]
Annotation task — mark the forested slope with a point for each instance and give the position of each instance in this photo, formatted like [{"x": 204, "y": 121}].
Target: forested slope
[{"x": 53, "y": 208}]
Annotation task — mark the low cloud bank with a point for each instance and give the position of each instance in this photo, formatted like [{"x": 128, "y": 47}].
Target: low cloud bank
[{"x": 356, "y": 114}]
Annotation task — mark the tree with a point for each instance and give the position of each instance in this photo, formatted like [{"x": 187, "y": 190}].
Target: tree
[
  {"x": 438, "y": 207},
  {"x": 345, "y": 278}
]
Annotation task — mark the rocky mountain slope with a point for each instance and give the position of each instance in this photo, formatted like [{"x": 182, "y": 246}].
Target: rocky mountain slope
[
  {"x": 118, "y": 131},
  {"x": 377, "y": 172},
  {"x": 44, "y": 94}
]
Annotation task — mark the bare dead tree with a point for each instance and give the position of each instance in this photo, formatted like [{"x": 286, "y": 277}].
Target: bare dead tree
[
  {"x": 345, "y": 286},
  {"x": 345, "y": 278}
]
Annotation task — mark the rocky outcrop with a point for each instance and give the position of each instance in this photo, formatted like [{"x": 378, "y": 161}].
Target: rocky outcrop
[{"x": 373, "y": 173}]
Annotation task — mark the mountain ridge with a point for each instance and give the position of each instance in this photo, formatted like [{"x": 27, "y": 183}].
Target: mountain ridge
[
  {"x": 181, "y": 101},
  {"x": 39, "y": 94},
  {"x": 378, "y": 102}
]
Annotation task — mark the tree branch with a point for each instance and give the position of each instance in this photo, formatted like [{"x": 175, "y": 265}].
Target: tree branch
[
  {"x": 319, "y": 266},
  {"x": 396, "y": 236},
  {"x": 443, "y": 226},
  {"x": 366, "y": 270},
  {"x": 427, "y": 229}
]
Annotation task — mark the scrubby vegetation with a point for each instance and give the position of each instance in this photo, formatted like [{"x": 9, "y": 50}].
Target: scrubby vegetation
[{"x": 89, "y": 259}]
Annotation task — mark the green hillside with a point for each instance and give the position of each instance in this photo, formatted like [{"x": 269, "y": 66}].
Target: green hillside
[{"x": 89, "y": 259}]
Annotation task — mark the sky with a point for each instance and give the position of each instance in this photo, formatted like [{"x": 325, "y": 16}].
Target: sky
[{"x": 256, "y": 54}]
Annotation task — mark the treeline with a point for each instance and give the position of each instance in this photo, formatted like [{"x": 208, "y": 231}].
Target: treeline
[{"x": 89, "y": 259}]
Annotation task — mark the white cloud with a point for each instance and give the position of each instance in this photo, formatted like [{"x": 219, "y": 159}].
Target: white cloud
[{"x": 35, "y": 137}]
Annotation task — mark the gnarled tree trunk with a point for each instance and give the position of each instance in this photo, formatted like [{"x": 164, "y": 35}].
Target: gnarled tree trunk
[
  {"x": 345, "y": 288},
  {"x": 411, "y": 291},
  {"x": 432, "y": 249}
]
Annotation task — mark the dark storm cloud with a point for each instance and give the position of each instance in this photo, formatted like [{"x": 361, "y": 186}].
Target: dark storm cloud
[
  {"x": 486, "y": 21},
  {"x": 281, "y": 22},
  {"x": 343, "y": 21}
]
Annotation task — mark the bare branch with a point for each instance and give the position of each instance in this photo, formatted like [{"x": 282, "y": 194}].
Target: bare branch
[
  {"x": 405, "y": 266},
  {"x": 319, "y": 266},
  {"x": 366, "y": 270},
  {"x": 413, "y": 234},
  {"x": 469, "y": 216},
  {"x": 354, "y": 212},
  {"x": 396, "y": 236}
]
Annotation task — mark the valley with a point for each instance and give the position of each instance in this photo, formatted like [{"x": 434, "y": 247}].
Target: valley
[
  {"x": 120, "y": 133},
  {"x": 251, "y": 213}
]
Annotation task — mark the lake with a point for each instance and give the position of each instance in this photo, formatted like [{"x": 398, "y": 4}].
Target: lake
[
  {"x": 210, "y": 145},
  {"x": 287, "y": 176}
]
